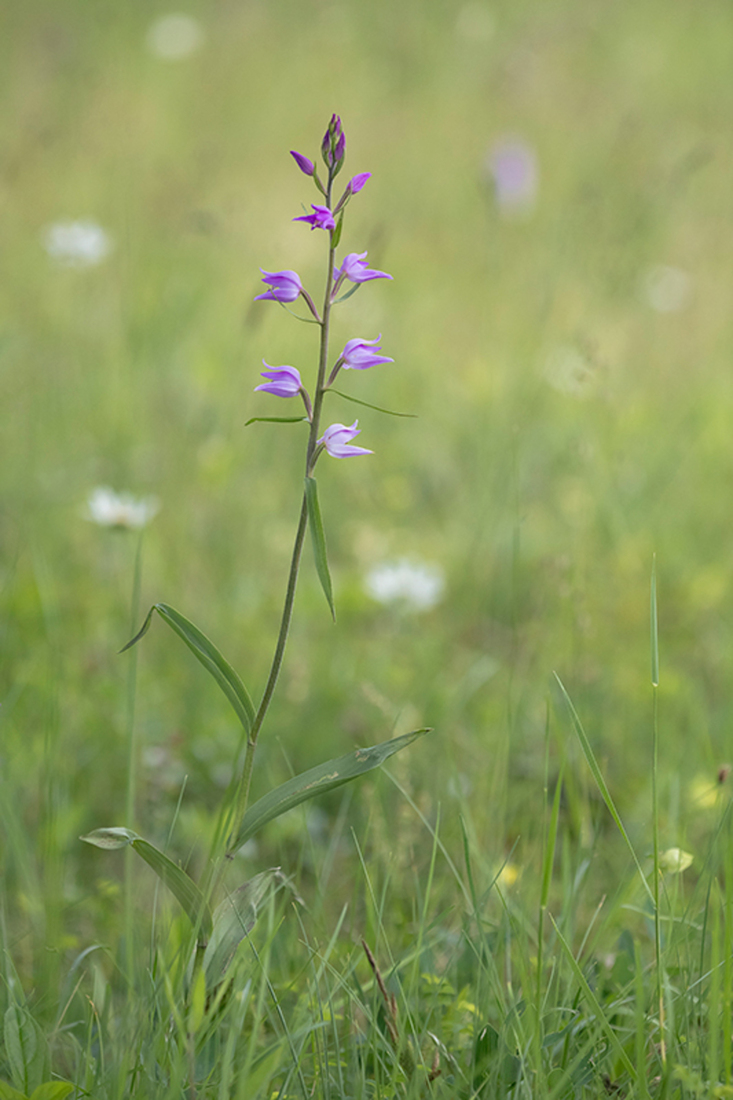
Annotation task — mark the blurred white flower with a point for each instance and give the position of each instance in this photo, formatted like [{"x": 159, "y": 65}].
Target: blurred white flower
[
  {"x": 568, "y": 371},
  {"x": 110, "y": 509},
  {"x": 77, "y": 244},
  {"x": 415, "y": 585},
  {"x": 512, "y": 165},
  {"x": 666, "y": 289},
  {"x": 475, "y": 22},
  {"x": 174, "y": 37}
]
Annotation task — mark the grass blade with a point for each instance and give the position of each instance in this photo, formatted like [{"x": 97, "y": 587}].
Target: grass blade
[
  {"x": 318, "y": 539},
  {"x": 601, "y": 783},
  {"x": 207, "y": 654},
  {"x": 318, "y": 780},
  {"x": 595, "y": 1006}
]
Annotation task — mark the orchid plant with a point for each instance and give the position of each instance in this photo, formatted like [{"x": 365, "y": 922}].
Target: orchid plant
[{"x": 218, "y": 931}]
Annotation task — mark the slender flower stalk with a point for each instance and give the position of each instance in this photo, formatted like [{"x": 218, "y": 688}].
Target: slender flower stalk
[{"x": 285, "y": 286}]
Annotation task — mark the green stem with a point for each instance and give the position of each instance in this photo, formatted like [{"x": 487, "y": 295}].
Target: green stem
[
  {"x": 131, "y": 791},
  {"x": 657, "y": 919},
  {"x": 312, "y": 452}
]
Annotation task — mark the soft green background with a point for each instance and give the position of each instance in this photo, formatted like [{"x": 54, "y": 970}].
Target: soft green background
[{"x": 543, "y": 507}]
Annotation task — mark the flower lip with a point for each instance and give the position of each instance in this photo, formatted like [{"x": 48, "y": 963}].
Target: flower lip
[
  {"x": 284, "y": 381},
  {"x": 321, "y": 218},
  {"x": 357, "y": 270},
  {"x": 304, "y": 163},
  {"x": 360, "y": 354},
  {"x": 284, "y": 286},
  {"x": 336, "y": 440}
]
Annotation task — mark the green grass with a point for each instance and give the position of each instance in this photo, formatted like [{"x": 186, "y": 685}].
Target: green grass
[{"x": 484, "y": 870}]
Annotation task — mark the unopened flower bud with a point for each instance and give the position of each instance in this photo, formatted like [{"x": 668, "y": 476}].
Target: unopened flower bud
[
  {"x": 333, "y": 147},
  {"x": 306, "y": 166}
]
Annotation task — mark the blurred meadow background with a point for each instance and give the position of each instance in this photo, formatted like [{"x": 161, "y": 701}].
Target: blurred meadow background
[{"x": 551, "y": 191}]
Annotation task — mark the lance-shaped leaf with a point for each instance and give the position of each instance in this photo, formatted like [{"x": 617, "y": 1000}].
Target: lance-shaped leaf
[
  {"x": 318, "y": 539},
  {"x": 234, "y": 919},
  {"x": 318, "y": 780},
  {"x": 208, "y": 655},
  {"x": 175, "y": 878},
  {"x": 367, "y": 405},
  {"x": 275, "y": 420}
]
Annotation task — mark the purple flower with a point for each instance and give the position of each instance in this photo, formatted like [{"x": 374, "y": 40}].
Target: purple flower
[
  {"x": 357, "y": 269},
  {"x": 306, "y": 166},
  {"x": 284, "y": 381},
  {"x": 336, "y": 440},
  {"x": 357, "y": 182},
  {"x": 285, "y": 286},
  {"x": 512, "y": 164},
  {"x": 333, "y": 147},
  {"x": 321, "y": 219},
  {"x": 359, "y": 354}
]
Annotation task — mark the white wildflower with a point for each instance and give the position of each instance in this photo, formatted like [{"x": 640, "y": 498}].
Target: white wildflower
[
  {"x": 174, "y": 37},
  {"x": 568, "y": 371},
  {"x": 666, "y": 289},
  {"x": 110, "y": 509},
  {"x": 77, "y": 244},
  {"x": 476, "y": 23},
  {"x": 415, "y": 585}
]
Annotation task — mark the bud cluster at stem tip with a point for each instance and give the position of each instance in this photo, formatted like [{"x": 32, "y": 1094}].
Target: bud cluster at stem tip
[{"x": 286, "y": 287}]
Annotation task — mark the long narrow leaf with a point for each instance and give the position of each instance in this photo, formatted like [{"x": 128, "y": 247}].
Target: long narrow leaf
[
  {"x": 601, "y": 783},
  {"x": 179, "y": 883},
  {"x": 318, "y": 539},
  {"x": 175, "y": 878},
  {"x": 366, "y": 404},
  {"x": 208, "y": 655},
  {"x": 275, "y": 420},
  {"x": 318, "y": 780},
  {"x": 234, "y": 918}
]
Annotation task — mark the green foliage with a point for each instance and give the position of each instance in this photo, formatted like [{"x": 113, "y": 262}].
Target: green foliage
[
  {"x": 26, "y": 1048},
  {"x": 318, "y": 540},
  {"x": 317, "y": 781},
  {"x": 208, "y": 655},
  {"x": 175, "y": 878}
]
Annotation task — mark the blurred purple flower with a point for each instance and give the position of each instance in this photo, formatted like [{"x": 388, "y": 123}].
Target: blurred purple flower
[
  {"x": 336, "y": 440},
  {"x": 357, "y": 270},
  {"x": 512, "y": 164},
  {"x": 285, "y": 286},
  {"x": 284, "y": 381},
  {"x": 360, "y": 354},
  {"x": 322, "y": 218},
  {"x": 355, "y": 185},
  {"x": 307, "y": 166}
]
